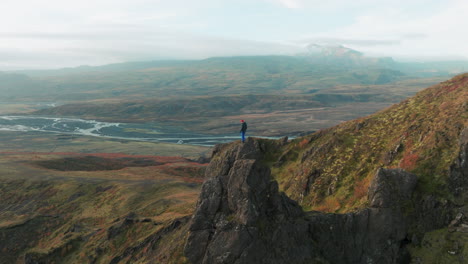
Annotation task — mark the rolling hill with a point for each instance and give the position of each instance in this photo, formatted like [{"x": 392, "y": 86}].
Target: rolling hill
[{"x": 219, "y": 76}]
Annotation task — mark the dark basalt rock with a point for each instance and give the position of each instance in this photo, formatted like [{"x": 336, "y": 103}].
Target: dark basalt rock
[
  {"x": 373, "y": 235},
  {"x": 390, "y": 187},
  {"x": 458, "y": 181},
  {"x": 368, "y": 236},
  {"x": 241, "y": 217}
]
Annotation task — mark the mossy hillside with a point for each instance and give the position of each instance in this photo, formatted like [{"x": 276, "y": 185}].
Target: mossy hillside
[
  {"x": 72, "y": 220},
  {"x": 332, "y": 169}
]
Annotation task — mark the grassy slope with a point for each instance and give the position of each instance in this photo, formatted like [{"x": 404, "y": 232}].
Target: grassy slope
[
  {"x": 332, "y": 169},
  {"x": 77, "y": 212},
  {"x": 52, "y": 143},
  {"x": 84, "y": 213}
]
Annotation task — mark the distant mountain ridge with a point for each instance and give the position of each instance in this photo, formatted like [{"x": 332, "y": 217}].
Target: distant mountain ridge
[
  {"x": 214, "y": 76},
  {"x": 333, "y": 55},
  {"x": 348, "y": 57},
  {"x": 323, "y": 67},
  {"x": 337, "y": 51}
]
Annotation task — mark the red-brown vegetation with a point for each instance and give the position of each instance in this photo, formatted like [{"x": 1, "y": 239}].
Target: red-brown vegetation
[
  {"x": 361, "y": 188},
  {"x": 409, "y": 161}
]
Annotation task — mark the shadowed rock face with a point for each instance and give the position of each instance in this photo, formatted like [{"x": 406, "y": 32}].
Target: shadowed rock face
[
  {"x": 242, "y": 218},
  {"x": 373, "y": 235},
  {"x": 458, "y": 181},
  {"x": 391, "y": 187}
]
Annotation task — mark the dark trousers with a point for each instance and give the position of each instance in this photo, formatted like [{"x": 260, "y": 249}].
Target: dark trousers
[{"x": 242, "y": 136}]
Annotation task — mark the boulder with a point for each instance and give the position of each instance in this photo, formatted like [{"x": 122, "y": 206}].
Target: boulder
[{"x": 390, "y": 187}]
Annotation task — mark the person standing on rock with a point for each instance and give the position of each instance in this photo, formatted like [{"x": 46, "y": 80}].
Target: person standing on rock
[{"x": 243, "y": 129}]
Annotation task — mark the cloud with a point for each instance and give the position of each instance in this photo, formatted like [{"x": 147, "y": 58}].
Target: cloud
[
  {"x": 150, "y": 43},
  {"x": 67, "y": 33},
  {"x": 414, "y": 35},
  {"x": 292, "y": 4},
  {"x": 426, "y": 34},
  {"x": 48, "y": 36},
  {"x": 358, "y": 42}
]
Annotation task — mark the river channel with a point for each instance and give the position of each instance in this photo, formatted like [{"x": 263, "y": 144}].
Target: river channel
[{"x": 129, "y": 131}]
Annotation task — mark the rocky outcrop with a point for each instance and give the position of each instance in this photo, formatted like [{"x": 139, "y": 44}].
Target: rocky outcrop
[
  {"x": 241, "y": 217},
  {"x": 374, "y": 235},
  {"x": 390, "y": 188},
  {"x": 369, "y": 236}
]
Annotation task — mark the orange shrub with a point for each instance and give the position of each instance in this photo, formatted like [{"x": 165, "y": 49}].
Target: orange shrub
[
  {"x": 408, "y": 162},
  {"x": 330, "y": 205},
  {"x": 304, "y": 142},
  {"x": 361, "y": 188}
]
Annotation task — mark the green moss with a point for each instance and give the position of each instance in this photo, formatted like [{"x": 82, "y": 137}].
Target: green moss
[{"x": 442, "y": 247}]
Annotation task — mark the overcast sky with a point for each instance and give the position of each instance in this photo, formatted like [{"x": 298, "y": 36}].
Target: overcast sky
[{"x": 62, "y": 33}]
